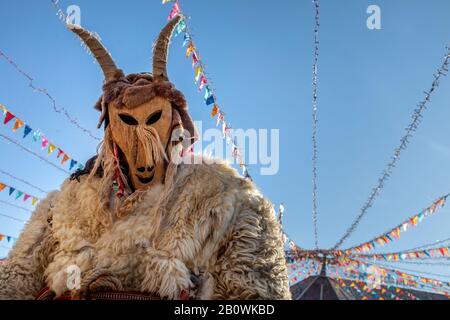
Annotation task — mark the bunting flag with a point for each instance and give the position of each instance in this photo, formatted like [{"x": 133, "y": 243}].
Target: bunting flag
[
  {"x": 8, "y": 117},
  {"x": 441, "y": 252},
  {"x": 174, "y": 12},
  {"x": 8, "y": 238},
  {"x": 26, "y": 131},
  {"x": 394, "y": 233},
  {"x": 51, "y": 148},
  {"x": 37, "y": 134},
  {"x": 72, "y": 164},
  {"x": 44, "y": 142},
  {"x": 65, "y": 158},
  {"x": 202, "y": 81},
  {"x": 18, "y": 194},
  {"x": 18, "y": 124}
]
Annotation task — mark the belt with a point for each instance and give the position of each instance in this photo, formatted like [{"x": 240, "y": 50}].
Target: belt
[{"x": 47, "y": 294}]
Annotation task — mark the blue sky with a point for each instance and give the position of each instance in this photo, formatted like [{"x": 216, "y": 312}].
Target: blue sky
[{"x": 259, "y": 54}]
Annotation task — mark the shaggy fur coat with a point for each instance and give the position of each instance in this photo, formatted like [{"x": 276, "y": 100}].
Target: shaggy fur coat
[{"x": 217, "y": 234}]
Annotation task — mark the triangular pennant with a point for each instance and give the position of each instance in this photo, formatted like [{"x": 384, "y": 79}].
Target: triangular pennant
[
  {"x": 60, "y": 153},
  {"x": 44, "y": 142},
  {"x": 2, "y": 236},
  {"x": 181, "y": 27},
  {"x": 18, "y": 124},
  {"x": 194, "y": 59},
  {"x": 18, "y": 194},
  {"x": 174, "y": 12},
  {"x": 8, "y": 238},
  {"x": 4, "y": 110},
  {"x": 189, "y": 50},
  {"x": 34, "y": 201},
  {"x": 36, "y": 136},
  {"x": 198, "y": 72},
  {"x": 26, "y": 131},
  {"x": 26, "y": 197},
  {"x": 65, "y": 158},
  {"x": 8, "y": 117},
  {"x": 11, "y": 190},
  {"x": 210, "y": 100},
  {"x": 186, "y": 39},
  {"x": 203, "y": 82},
  {"x": 215, "y": 110},
  {"x": 72, "y": 164},
  {"x": 51, "y": 148},
  {"x": 2, "y": 187}
]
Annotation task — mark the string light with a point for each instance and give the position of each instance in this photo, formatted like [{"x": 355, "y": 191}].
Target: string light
[
  {"x": 23, "y": 181},
  {"x": 56, "y": 108},
  {"x": 33, "y": 153},
  {"x": 404, "y": 141}
]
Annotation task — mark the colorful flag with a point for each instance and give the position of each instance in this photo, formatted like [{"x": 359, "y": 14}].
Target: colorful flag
[
  {"x": 36, "y": 136},
  {"x": 2, "y": 187},
  {"x": 210, "y": 100},
  {"x": 60, "y": 153},
  {"x": 203, "y": 82},
  {"x": 26, "y": 197},
  {"x": 198, "y": 72},
  {"x": 26, "y": 131},
  {"x": 19, "y": 194},
  {"x": 44, "y": 142},
  {"x": 8, "y": 117},
  {"x": 174, "y": 12},
  {"x": 18, "y": 124},
  {"x": 51, "y": 148},
  {"x": 215, "y": 110},
  {"x": 72, "y": 164},
  {"x": 65, "y": 158}
]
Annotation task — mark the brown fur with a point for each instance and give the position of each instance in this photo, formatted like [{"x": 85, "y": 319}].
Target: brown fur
[{"x": 213, "y": 224}]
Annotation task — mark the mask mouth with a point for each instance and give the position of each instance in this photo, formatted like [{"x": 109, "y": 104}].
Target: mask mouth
[{"x": 146, "y": 180}]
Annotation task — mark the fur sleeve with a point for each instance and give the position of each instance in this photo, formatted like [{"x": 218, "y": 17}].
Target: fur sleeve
[
  {"x": 251, "y": 262},
  {"x": 22, "y": 275}
]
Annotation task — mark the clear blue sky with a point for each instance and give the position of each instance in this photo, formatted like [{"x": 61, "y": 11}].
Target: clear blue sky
[{"x": 259, "y": 54}]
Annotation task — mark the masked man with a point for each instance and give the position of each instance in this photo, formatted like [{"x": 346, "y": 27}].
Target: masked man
[{"x": 141, "y": 222}]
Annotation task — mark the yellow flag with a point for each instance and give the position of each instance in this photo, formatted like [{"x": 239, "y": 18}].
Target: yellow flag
[
  {"x": 3, "y": 108},
  {"x": 198, "y": 72},
  {"x": 51, "y": 148},
  {"x": 34, "y": 200}
]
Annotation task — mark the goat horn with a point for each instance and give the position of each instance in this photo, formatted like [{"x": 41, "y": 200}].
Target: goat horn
[
  {"x": 160, "y": 51},
  {"x": 100, "y": 53}
]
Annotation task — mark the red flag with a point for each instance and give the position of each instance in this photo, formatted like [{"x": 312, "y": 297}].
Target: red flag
[
  {"x": 60, "y": 153},
  {"x": 9, "y": 116}
]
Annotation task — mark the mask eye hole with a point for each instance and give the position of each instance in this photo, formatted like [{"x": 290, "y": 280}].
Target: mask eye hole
[
  {"x": 154, "y": 118},
  {"x": 129, "y": 120}
]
